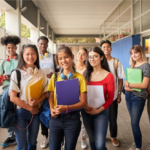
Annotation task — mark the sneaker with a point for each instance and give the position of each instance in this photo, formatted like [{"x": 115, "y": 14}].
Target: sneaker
[
  {"x": 115, "y": 142},
  {"x": 44, "y": 142},
  {"x": 9, "y": 141},
  {"x": 138, "y": 149},
  {"x": 83, "y": 144},
  {"x": 63, "y": 145}
]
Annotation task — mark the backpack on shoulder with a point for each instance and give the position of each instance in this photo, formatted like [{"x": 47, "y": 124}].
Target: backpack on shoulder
[{"x": 7, "y": 108}]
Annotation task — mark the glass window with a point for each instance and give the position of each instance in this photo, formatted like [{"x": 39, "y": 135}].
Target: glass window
[
  {"x": 125, "y": 31},
  {"x": 145, "y": 5},
  {"x": 146, "y": 22},
  {"x": 136, "y": 9},
  {"x": 137, "y": 26}
]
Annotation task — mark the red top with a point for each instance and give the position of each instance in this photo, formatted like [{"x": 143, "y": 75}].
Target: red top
[{"x": 108, "y": 84}]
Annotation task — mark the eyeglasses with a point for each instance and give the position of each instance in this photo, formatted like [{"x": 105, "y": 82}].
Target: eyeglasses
[{"x": 94, "y": 57}]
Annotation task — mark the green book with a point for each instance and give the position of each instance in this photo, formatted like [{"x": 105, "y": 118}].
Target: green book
[{"x": 134, "y": 76}]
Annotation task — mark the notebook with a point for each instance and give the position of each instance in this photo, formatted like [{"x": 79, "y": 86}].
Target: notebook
[
  {"x": 67, "y": 92},
  {"x": 34, "y": 89},
  {"x": 134, "y": 76}
]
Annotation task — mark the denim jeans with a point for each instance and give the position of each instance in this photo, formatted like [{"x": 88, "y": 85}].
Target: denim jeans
[
  {"x": 135, "y": 107},
  {"x": 65, "y": 125},
  {"x": 26, "y": 139},
  {"x": 96, "y": 127}
]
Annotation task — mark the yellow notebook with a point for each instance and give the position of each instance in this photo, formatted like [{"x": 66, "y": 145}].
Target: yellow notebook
[{"x": 34, "y": 89}]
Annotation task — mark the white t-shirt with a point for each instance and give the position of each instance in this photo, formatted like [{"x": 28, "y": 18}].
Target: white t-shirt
[
  {"x": 120, "y": 74},
  {"x": 25, "y": 79}
]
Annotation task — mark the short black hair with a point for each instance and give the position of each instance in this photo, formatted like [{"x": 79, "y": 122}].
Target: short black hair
[
  {"x": 10, "y": 39},
  {"x": 43, "y": 38},
  {"x": 105, "y": 41}
]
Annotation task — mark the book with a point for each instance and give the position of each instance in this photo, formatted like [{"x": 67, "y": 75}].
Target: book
[
  {"x": 34, "y": 89},
  {"x": 134, "y": 76},
  {"x": 95, "y": 96},
  {"x": 67, "y": 92}
]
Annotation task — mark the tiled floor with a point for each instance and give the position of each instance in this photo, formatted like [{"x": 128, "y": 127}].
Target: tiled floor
[{"x": 124, "y": 132}]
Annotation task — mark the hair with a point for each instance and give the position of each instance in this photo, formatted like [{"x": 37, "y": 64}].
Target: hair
[
  {"x": 104, "y": 63},
  {"x": 21, "y": 61},
  {"x": 11, "y": 39},
  {"x": 86, "y": 51},
  {"x": 64, "y": 49},
  {"x": 43, "y": 38},
  {"x": 139, "y": 49},
  {"x": 105, "y": 41}
]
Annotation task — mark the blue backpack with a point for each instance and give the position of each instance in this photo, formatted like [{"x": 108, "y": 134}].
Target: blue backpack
[{"x": 7, "y": 108}]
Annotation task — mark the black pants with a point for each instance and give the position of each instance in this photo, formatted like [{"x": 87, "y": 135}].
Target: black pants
[
  {"x": 44, "y": 130},
  {"x": 113, "y": 112}
]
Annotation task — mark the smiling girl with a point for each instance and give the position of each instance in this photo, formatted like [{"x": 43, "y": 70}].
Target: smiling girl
[
  {"x": 27, "y": 113},
  {"x": 65, "y": 125},
  {"x": 136, "y": 100}
]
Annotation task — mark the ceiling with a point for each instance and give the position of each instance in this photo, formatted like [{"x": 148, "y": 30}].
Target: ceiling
[{"x": 76, "y": 17}]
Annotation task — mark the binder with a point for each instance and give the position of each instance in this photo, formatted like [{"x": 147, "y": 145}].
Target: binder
[
  {"x": 67, "y": 92},
  {"x": 134, "y": 76},
  {"x": 34, "y": 89}
]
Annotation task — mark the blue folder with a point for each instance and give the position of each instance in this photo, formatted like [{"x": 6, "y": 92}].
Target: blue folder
[{"x": 67, "y": 92}]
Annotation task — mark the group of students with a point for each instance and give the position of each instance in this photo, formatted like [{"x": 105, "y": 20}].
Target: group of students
[{"x": 95, "y": 67}]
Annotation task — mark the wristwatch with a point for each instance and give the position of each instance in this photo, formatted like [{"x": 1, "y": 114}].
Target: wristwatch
[{"x": 119, "y": 93}]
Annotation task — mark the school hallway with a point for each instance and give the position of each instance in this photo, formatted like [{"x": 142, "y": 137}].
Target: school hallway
[{"x": 124, "y": 132}]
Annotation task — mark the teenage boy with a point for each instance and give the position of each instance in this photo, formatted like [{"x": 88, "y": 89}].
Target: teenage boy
[
  {"x": 118, "y": 72},
  {"x": 47, "y": 60}
]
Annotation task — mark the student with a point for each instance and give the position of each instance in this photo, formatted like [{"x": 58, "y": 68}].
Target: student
[
  {"x": 6, "y": 66},
  {"x": 27, "y": 113},
  {"x": 96, "y": 120},
  {"x": 65, "y": 125},
  {"x": 118, "y": 72},
  {"x": 81, "y": 67},
  {"x": 136, "y": 100},
  {"x": 46, "y": 61}
]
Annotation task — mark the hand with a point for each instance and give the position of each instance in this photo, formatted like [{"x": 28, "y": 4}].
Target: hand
[
  {"x": 49, "y": 75},
  {"x": 126, "y": 83},
  {"x": 60, "y": 108},
  {"x": 119, "y": 98},
  {"x": 7, "y": 78},
  {"x": 34, "y": 110},
  {"x": 92, "y": 111},
  {"x": 128, "y": 89},
  {"x": 53, "y": 113},
  {"x": 33, "y": 102},
  {"x": 88, "y": 108}
]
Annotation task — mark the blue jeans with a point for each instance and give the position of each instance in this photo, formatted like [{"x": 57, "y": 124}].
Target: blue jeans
[
  {"x": 96, "y": 127},
  {"x": 135, "y": 107},
  {"x": 26, "y": 139},
  {"x": 65, "y": 125}
]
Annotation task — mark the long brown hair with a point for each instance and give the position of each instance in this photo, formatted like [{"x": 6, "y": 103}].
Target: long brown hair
[
  {"x": 139, "y": 49},
  {"x": 21, "y": 61}
]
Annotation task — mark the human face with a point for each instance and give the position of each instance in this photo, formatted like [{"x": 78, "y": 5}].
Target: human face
[
  {"x": 29, "y": 56},
  {"x": 106, "y": 48},
  {"x": 42, "y": 45},
  {"x": 65, "y": 60},
  {"x": 81, "y": 56},
  {"x": 136, "y": 56},
  {"x": 11, "y": 49},
  {"x": 94, "y": 59}
]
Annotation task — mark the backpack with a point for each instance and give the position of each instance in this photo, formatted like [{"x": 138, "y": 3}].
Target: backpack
[
  {"x": 7, "y": 108},
  {"x": 45, "y": 110}
]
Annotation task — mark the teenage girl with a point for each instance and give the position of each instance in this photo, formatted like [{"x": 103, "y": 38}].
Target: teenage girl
[
  {"x": 6, "y": 67},
  {"x": 27, "y": 113},
  {"x": 81, "y": 67},
  {"x": 136, "y": 100},
  {"x": 96, "y": 120},
  {"x": 65, "y": 125}
]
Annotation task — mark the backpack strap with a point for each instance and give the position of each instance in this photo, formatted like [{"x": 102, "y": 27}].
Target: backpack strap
[
  {"x": 55, "y": 78},
  {"x": 116, "y": 65},
  {"x": 54, "y": 62}
]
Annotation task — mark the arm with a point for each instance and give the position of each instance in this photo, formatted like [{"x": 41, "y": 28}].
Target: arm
[
  {"x": 142, "y": 85},
  {"x": 120, "y": 83},
  {"x": 19, "y": 102}
]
